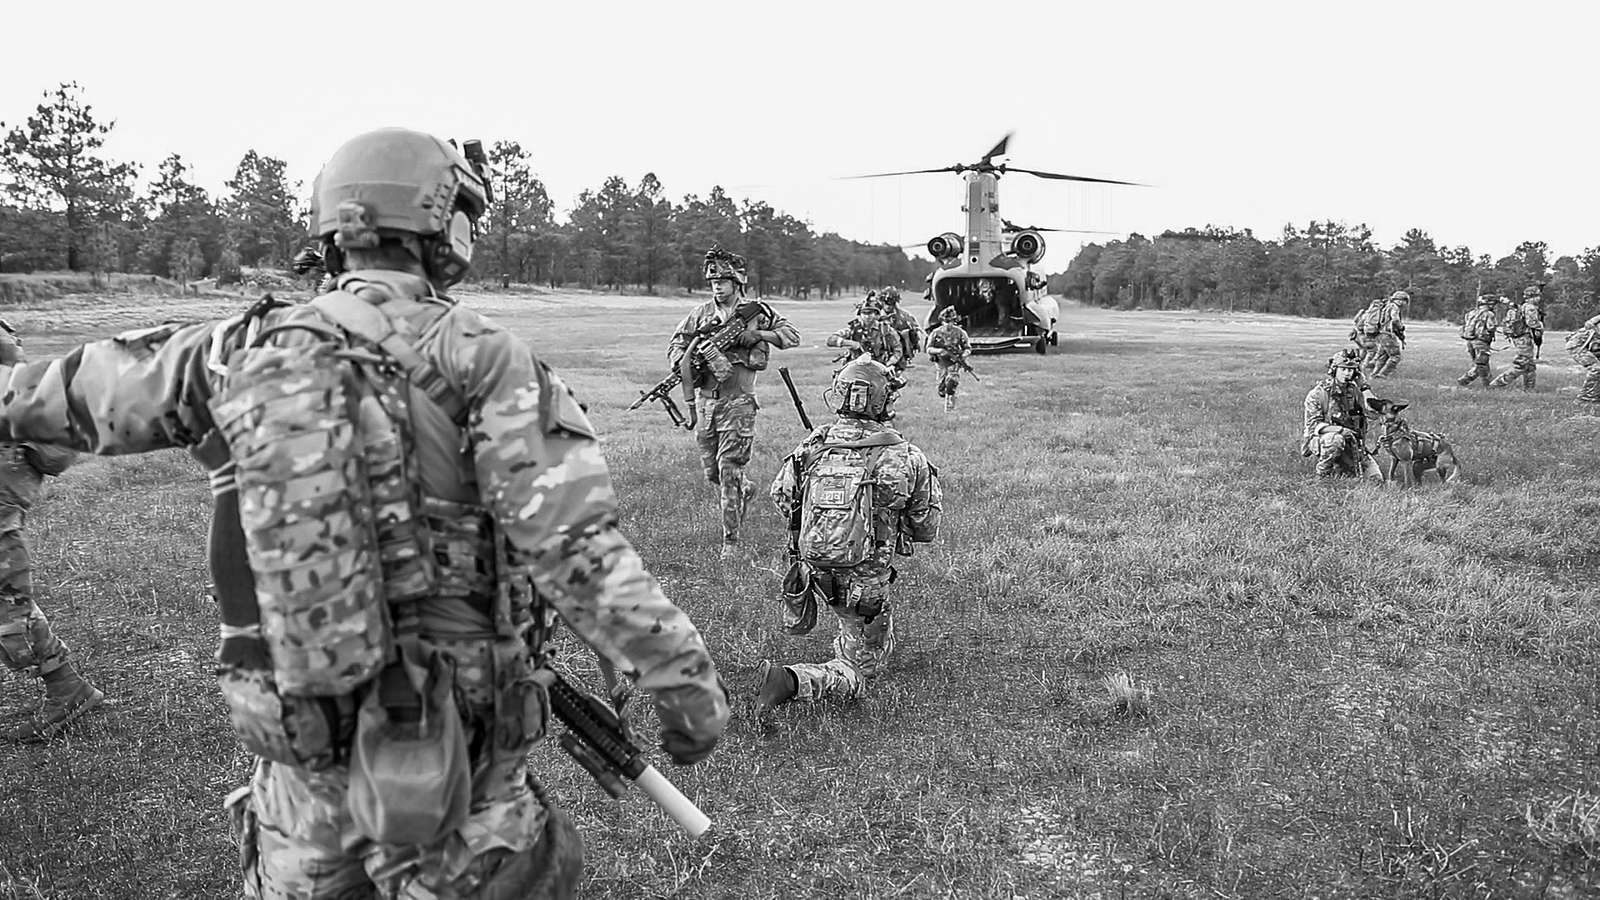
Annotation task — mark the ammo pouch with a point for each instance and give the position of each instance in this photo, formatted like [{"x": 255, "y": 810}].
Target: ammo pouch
[
  {"x": 799, "y": 599},
  {"x": 309, "y": 732},
  {"x": 410, "y": 775}
]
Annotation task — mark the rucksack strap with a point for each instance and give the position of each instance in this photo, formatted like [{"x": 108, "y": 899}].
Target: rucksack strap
[{"x": 367, "y": 322}]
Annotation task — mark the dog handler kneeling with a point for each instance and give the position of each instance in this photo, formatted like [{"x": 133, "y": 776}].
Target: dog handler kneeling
[{"x": 1336, "y": 421}]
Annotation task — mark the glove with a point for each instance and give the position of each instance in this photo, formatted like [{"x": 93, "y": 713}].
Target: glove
[
  {"x": 692, "y": 720},
  {"x": 1305, "y": 447},
  {"x": 750, "y": 337}
]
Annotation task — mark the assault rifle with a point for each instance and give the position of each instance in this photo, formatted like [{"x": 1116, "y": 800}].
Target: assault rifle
[
  {"x": 597, "y": 739},
  {"x": 711, "y": 338}
]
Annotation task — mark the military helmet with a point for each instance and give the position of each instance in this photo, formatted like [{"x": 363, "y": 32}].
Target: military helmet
[
  {"x": 398, "y": 180},
  {"x": 1344, "y": 359},
  {"x": 870, "y": 305},
  {"x": 722, "y": 263},
  {"x": 863, "y": 390},
  {"x": 949, "y": 314},
  {"x": 890, "y": 296},
  {"x": 1531, "y": 290},
  {"x": 1485, "y": 300},
  {"x": 1400, "y": 297}
]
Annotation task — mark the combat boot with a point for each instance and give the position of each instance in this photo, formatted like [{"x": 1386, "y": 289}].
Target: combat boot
[
  {"x": 778, "y": 686},
  {"x": 66, "y": 698}
]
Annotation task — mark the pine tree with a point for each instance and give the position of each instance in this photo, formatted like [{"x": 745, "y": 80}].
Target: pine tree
[{"x": 54, "y": 163}]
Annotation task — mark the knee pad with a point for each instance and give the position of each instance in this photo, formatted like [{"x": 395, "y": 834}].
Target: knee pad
[{"x": 16, "y": 646}]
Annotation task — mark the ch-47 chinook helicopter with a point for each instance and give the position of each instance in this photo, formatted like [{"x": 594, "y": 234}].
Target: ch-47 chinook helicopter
[{"x": 988, "y": 274}]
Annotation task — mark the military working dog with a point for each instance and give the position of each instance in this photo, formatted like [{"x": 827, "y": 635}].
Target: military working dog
[{"x": 1409, "y": 453}]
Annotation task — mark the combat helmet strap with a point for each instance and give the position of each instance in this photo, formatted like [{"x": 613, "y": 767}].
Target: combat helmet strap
[{"x": 367, "y": 322}]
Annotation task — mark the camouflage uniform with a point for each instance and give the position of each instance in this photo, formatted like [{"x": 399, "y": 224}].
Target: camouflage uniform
[
  {"x": 875, "y": 337},
  {"x": 907, "y": 501},
  {"x": 1364, "y": 334},
  {"x": 27, "y": 643},
  {"x": 902, "y": 324},
  {"x": 1336, "y": 427},
  {"x": 1523, "y": 326},
  {"x": 1391, "y": 331},
  {"x": 948, "y": 345},
  {"x": 1477, "y": 329},
  {"x": 1586, "y": 353},
  {"x": 727, "y": 416},
  {"x": 515, "y": 502}
]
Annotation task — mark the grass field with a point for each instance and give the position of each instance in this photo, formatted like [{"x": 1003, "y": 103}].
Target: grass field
[{"x": 1351, "y": 691}]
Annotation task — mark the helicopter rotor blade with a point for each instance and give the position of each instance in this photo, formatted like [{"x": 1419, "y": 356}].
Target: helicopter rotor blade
[
  {"x": 892, "y": 174},
  {"x": 998, "y": 149},
  {"x": 1059, "y": 177}
]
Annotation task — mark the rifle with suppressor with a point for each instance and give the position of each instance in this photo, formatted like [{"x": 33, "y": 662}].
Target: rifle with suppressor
[
  {"x": 597, "y": 739},
  {"x": 712, "y": 338}
]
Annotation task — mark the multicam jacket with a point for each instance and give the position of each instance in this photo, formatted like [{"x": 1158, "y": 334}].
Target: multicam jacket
[
  {"x": 878, "y": 339},
  {"x": 953, "y": 340},
  {"x": 905, "y": 325},
  {"x": 907, "y": 498},
  {"x": 747, "y": 361},
  {"x": 1333, "y": 404},
  {"x": 526, "y": 455}
]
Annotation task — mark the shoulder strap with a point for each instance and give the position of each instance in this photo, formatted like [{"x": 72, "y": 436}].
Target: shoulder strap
[{"x": 367, "y": 322}]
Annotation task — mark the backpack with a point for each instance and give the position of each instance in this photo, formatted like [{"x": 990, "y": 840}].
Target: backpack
[
  {"x": 1478, "y": 325},
  {"x": 837, "y": 522}
]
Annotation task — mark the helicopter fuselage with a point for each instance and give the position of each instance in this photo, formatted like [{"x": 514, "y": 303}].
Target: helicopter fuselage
[{"x": 1002, "y": 304}]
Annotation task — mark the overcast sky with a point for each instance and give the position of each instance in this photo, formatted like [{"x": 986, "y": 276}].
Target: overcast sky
[{"x": 1474, "y": 123}]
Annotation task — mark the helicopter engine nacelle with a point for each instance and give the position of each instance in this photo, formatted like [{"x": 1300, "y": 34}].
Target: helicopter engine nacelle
[
  {"x": 945, "y": 246},
  {"x": 1029, "y": 245}
]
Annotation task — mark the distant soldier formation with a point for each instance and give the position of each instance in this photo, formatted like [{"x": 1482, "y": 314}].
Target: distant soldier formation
[{"x": 1338, "y": 409}]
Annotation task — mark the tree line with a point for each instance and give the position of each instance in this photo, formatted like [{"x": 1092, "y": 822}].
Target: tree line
[
  {"x": 64, "y": 204},
  {"x": 1326, "y": 269}
]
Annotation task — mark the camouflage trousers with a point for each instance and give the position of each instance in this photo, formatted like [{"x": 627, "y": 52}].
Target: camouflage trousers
[
  {"x": 297, "y": 842},
  {"x": 1478, "y": 352},
  {"x": 1338, "y": 453},
  {"x": 1523, "y": 364},
  {"x": 862, "y": 646},
  {"x": 26, "y": 642},
  {"x": 1386, "y": 355},
  {"x": 1590, "y": 393},
  {"x": 725, "y": 433},
  {"x": 949, "y": 379}
]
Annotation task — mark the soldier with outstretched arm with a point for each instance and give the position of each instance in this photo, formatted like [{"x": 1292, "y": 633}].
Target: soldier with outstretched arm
[{"x": 503, "y": 473}]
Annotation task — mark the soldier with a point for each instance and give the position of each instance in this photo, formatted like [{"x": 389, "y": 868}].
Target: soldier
[
  {"x": 478, "y": 453},
  {"x": 949, "y": 347},
  {"x": 1364, "y": 333},
  {"x": 1584, "y": 345},
  {"x": 894, "y": 498},
  {"x": 725, "y": 387},
  {"x": 309, "y": 262},
  {"x": 1523, "y": 326},
  {"x": 27, "y": 644},
  {"x": 1391, "y": 334},
  {"x": 901, "y": 323},
  {"x": 1477, "y": 329},
  {"x": 1336, "y": 421},
  {"x": 868, "y": 334}
]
